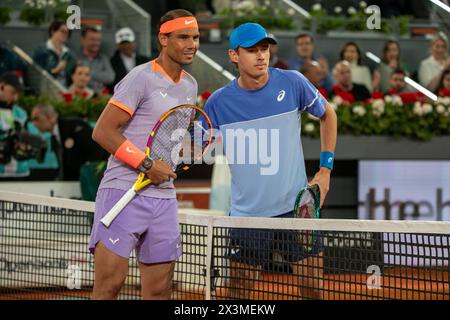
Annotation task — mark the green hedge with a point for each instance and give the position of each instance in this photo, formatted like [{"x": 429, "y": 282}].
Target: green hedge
[
  {"x": 87, "y": 109},
  {"x": 387, "y": 117},
  {"x": 416, "y": 121}
]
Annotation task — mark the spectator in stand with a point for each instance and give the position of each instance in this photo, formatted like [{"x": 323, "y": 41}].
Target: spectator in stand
[
  {"x": 389, "y": 63},
  {"x": 444, "y": 84},
  {"x": 81, "y": 76},
  {"x": 102, "y": 74},
  {"x": 313, "y": 72},
  {"x": 275, "y": 61},
  {"x": 397, "y": 82},
  {"x": 54, "y": 56},
  {"x": 70, "y": 140},
  {"x": 125, "y": 58},
  {"x": 9, "y": 61},
  {"x": 360, "y": 73},
  {"x": 430, "y": 70},
  {"x": 345, "y": 88},
  {"x": 304, "y": 45},
  {"x": 398, "y": 86}
]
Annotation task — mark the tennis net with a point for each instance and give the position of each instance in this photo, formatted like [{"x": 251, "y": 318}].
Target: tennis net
[{"x": 43, "y": 255}]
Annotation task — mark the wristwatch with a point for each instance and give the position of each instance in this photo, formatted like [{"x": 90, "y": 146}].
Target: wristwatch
[{"x": 146, "y": 164}]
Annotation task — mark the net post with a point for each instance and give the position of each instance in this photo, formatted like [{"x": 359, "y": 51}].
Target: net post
[{"x": 209, "y": 256}]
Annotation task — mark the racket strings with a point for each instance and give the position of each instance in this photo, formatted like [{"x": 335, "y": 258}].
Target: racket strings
[
  {"x": 306, "y": 208},
  {"x": 176, "y": 140}
]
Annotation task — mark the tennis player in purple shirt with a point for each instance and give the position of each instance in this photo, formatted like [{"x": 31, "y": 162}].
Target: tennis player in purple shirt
[{"x": 148, "y": 224}]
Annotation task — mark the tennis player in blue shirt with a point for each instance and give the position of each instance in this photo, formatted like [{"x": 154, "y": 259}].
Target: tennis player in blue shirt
[{"x": 258, "y": 116}]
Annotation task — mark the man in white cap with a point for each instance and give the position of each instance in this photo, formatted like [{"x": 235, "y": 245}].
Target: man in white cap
[{"x": 125, "y": 58}]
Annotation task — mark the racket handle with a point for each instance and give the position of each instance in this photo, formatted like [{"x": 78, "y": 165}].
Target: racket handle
[{"x": 114, "y": 212}]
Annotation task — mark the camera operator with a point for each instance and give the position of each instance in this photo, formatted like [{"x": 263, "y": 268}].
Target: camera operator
[{"x": 13, "y": 153}]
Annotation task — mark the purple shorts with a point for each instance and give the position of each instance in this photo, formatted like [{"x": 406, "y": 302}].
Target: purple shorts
[{"x": 149, "y": 225}]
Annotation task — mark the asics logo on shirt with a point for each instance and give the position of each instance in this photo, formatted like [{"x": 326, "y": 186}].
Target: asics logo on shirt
[
  {"x": 163, "y": 94},
  {"x": 281, "y": 95},
  {"x": 188, "y": 22},
  {"x": 130, "y": 150}
]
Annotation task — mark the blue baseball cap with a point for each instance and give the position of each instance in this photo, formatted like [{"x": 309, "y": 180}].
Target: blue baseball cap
[{"x": 248, "y": 34}]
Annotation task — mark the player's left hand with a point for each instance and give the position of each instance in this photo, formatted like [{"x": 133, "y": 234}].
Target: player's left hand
[{"x": 322, "y": 178}]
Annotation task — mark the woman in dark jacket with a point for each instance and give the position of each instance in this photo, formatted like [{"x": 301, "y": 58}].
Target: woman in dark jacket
[{"x": 54, "y": 56}]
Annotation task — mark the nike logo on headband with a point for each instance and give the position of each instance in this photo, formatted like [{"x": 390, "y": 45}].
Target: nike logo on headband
[{"x": 188, "y": 22}]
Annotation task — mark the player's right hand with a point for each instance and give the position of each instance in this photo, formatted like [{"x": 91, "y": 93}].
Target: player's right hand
[{"x": 160, "y": 172}]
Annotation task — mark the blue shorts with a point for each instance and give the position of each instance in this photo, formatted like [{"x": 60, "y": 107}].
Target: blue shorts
[{"x": 256, "y": 246}]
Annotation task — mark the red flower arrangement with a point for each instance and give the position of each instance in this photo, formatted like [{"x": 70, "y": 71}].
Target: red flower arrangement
[
  {"x": 409, "y": 97},
  {"x": 444, "y": 92},
  {"x": 205, "y": 95},
  {"x": 201, "y": 99},
  {"x": 345, "y": 95}
]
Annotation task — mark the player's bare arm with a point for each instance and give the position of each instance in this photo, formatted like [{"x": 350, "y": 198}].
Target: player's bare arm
[
  {"x": 107, "y": 135},
  {"x": 328, "y": 135}
]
